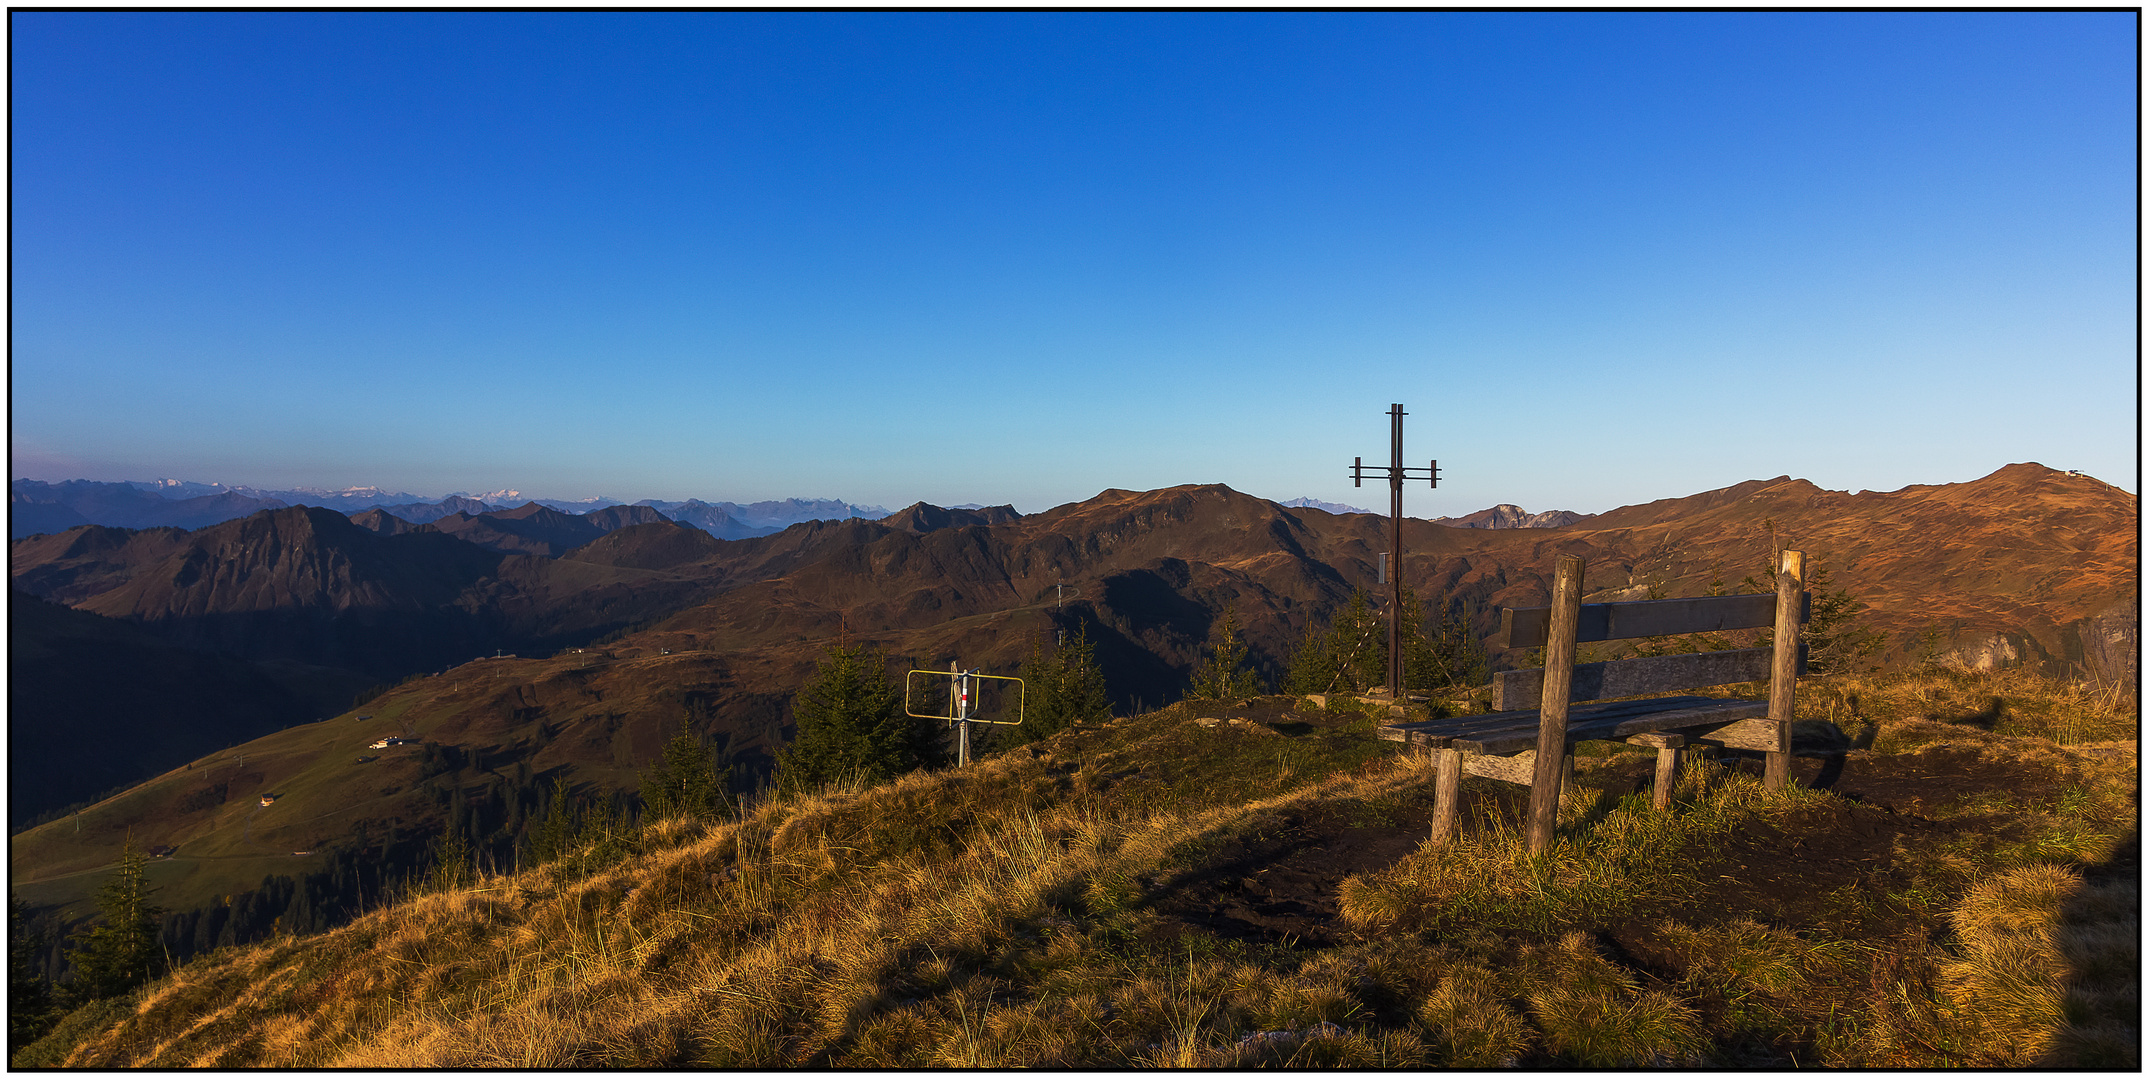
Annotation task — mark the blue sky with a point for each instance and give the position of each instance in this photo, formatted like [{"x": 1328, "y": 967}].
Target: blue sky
[{"x": 1602, "y": 258}]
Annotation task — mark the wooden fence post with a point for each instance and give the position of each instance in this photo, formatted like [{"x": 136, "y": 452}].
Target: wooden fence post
[
  {"x": 1552, "y": 708},
  {"x": 1783, "y": 672}
]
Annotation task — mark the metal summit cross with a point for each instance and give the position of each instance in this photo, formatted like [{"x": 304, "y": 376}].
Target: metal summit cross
[{"x": 1392, "y": 570}]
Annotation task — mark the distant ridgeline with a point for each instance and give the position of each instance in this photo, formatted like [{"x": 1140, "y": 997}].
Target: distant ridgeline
[{"x": 37, "y": 506}]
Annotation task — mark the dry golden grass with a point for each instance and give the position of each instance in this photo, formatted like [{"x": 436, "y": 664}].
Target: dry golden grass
[
  {"x": 998, "y": 918},
  {"x": 1597, "y": 1013},
  {"x": 2011, "y": 701},
  {"x": 1468, "y": 1021}
]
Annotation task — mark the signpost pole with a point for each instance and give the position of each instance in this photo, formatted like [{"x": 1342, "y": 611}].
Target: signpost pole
[{"x": 962, "y": 713}]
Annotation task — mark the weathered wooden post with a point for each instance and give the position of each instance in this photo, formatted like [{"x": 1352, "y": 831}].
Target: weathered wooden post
[
  {"x": 1447, "y": 779},
  {"x": 1552, "y": 718},
  {"x": 1783, "y": 671}
]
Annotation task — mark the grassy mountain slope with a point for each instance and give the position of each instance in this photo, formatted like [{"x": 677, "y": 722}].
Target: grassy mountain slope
[
  {"x": 1243, "y": 887},
  {"x": 595, "y": 716}
]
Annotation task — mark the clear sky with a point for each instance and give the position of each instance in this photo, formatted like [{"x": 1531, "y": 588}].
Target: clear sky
[{"x": 1601, "y": 258}]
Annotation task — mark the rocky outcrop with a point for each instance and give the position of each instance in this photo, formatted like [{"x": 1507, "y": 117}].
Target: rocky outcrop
[{"x": 1510, "y": 516}]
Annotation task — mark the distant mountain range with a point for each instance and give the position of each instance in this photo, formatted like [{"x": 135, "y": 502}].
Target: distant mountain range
[
  {"x": 37, "y": 506},
  {"x": 1307, "y": 501}
]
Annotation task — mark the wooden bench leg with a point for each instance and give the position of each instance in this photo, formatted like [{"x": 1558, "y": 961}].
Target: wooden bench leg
[
  {"x": 1447, "y": 791},
  {"x": 1667, "y": 776},
  {"x": 1776, "y": 764},
  {"x": 1668, "y": 746},
  {"x": 1776, "y": 775}
]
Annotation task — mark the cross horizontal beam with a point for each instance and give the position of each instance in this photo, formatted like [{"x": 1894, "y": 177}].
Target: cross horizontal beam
[{"x": 1394, "y": 473}]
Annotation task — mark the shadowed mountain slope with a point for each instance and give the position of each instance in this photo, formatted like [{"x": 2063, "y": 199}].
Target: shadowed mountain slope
[
  {"x": 536, "y": 529},
  {"x": 73, "y": 566},
  {"x": 95, "y": 703},
  {"x": 619, "y": 517},
  {"x": 659, "y": 545},
  {"x": 713, "y": 519},
  {"x": 383, "y": 522},
  {"x": 529, "y": 529},
  {"x": 308, "y": 584}
]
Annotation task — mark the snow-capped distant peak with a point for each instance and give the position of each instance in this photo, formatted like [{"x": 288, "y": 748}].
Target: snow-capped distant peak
[
  {"x": 1333, "y": 508},
  {"x": 367, "y": 492}
]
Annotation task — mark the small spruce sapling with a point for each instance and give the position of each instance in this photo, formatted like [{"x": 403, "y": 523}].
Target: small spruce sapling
[
  {"x": 686, "y": 782},
  {"x": 1223, "y": 676}
]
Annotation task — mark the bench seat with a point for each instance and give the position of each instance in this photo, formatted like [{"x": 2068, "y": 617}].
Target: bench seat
[{"x": 1516, "y": 730}]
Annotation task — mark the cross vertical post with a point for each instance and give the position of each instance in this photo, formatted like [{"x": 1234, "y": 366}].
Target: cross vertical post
[
  {"x": 1395, "y": 559},
  {"x": 1397, "y": 473}
]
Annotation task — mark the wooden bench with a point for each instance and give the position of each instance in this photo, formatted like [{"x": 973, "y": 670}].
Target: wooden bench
[{"x": 1529, "y": 737}]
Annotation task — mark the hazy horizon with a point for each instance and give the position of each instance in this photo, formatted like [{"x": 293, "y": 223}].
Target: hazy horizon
[{"x": 1412, "y": 500}]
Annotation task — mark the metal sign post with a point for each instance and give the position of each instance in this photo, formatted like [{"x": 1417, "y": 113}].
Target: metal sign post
[
  {"x": 1393, "y": 569},
  {"x": 961, "y": 708},
  {"x": 963, "y": 688}
]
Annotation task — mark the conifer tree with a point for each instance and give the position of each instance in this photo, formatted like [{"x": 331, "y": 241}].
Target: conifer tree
[
  {"x": 451, "y": 853},
  {"x": 1351, "y": 654},
  {"x": 1457, "y": 657},
  {"x": 1313, "y": 665},
  {"x": 1064, "y": 688},
  {"x": 29, "y": 996},
  {"x": 121, "y": 951},
  {"x": 1836, "y": 639},
  {"x": 851, "y": 723},
  {"x": 1348, "y": 657},
  {"x": 1223, "y": 676},
  {"x": 553, "y": 830},
  {"x": 686, "y": 782}
]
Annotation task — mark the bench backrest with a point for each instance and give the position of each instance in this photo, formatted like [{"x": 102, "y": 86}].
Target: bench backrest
[{"x": 1529, "y": 627}]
